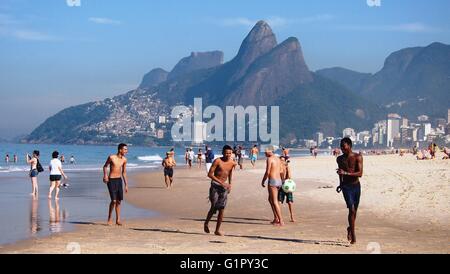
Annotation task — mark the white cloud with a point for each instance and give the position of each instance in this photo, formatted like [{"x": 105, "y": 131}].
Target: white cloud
[
  {"x": 104, "y": 21},
  {"x": 11, "y": 27},
  {"x": 32, "y": 35},
  {"x": 408, "y": 27}
]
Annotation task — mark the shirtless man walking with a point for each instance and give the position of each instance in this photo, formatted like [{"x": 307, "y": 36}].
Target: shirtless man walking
[
  {"x": 350, "y": 170},
  {"x": 220, "y": 171},
  {"x": 273, "y": 173},
  {"x": 117, "y": 164},
  {"x": 168, "y": 164}
]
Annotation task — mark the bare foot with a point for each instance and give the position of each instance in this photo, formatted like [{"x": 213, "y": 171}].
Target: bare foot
[
  {"x": 218, "y": 233},
  {"x": 109, "y": 223},
  {"x": 206, "y": 228},
  {"x": 118, "y": 223},
  {"x": 275, "y": 221},
  {"x": 292, "y": 220},
  {"x": 349, "y": 234}
]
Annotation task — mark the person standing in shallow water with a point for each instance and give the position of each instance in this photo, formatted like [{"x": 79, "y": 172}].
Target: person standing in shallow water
[
  {"x": 33, "y": 161},
  {"x": 350, "y": 169},
  {"x": 117, "y": 171}
]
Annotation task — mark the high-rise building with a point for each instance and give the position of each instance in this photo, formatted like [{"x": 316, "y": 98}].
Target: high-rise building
[
  {"x": 349, "y": 132},
  {"x": 404, "y": 122},
  {"x": 319, "y": 138},
  {"x": 162, "y": 119},
  {"x": 448, "y": 116},
  {"x": 424, "y": 131},
  {"x": 392, "y": 129},
  {"x": 441, "y": 123}
]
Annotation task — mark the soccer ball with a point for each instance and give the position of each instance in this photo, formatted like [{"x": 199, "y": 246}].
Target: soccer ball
[{"x": 289, "y": 186}]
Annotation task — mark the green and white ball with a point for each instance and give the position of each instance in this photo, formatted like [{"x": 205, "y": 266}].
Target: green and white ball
[{"x": 289, "y": 186}]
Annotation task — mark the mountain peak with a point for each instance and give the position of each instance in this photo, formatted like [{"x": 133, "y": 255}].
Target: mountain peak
[
  {"x": 154, "y": 78},
  {"x": 260, "y": 41},
  {"x": 196, "y": 61}
]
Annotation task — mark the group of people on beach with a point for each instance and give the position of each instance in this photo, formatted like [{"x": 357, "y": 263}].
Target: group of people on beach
[
  {"x": 220, "y": 172},
  {"x": 55, "y": 169},
  {"x": 430, "y": 152}
]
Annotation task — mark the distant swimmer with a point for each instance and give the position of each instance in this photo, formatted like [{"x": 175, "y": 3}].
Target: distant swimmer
[
  {"x": 15, "y": 159},
  {"x": 221, "y": 174},
  {"x": 62, "y": 159},
  {"x": 7, "y": 158},
  {"x": 350, "y": 169},
  {"x": 117, "y": 171},
  {"x": 273, "y": 174},
  {"x": 168, "y": 163}
]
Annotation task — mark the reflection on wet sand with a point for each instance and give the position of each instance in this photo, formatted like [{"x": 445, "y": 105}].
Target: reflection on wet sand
[
  {"x": 55, "y": 221},
  {"x": 34, "y": 216}
]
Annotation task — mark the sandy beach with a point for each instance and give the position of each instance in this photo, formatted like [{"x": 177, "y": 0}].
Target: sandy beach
[{"x": 404, "y": 209}]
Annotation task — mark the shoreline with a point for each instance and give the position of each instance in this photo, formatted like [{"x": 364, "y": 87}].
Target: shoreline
[{"x": 320, "y": 226}]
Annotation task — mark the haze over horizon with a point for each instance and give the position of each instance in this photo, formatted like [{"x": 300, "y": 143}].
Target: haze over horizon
[{"x": 55, "y": 56}]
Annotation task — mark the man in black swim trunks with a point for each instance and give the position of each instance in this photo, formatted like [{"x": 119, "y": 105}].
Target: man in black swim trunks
[
  {"x": 117, "y": 164},
  {"x": 168, "y": 163},
  {"x": 350, "y": 170}
]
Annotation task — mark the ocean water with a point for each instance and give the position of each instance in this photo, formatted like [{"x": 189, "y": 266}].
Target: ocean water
[{"x": 86, "y": 157}]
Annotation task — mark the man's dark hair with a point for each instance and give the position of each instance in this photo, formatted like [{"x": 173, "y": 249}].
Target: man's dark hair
[
  {"x": 255, "y": 146},
  {"x": 55, "y": 154},
  {"x": 36, "y": 152},
  {"x": 122, "y": 145},
  {"x": 226, "y": 147},
  {"x": 348, "y": 141}
]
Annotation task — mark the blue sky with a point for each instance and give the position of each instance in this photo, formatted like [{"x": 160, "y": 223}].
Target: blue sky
[{"x": 54, "y": 56}]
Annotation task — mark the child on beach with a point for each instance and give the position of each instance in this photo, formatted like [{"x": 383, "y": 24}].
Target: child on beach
[{"x": 282, "y": 196}]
